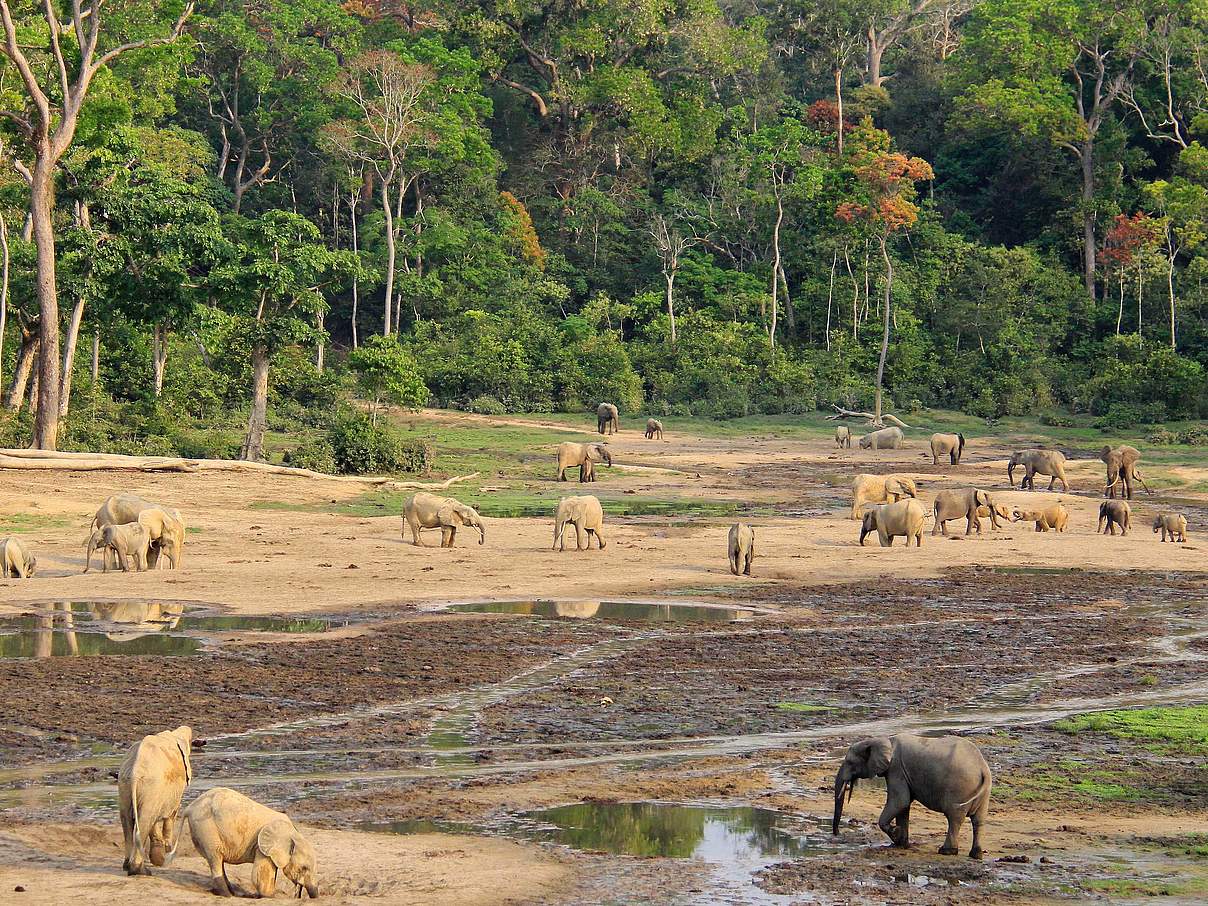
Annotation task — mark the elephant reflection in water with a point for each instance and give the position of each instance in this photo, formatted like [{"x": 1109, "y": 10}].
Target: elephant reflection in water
[
  {"x": 578, "y": 610},
  {"x": 143, "y": 617},
  {"x": 44, "y": 637}
]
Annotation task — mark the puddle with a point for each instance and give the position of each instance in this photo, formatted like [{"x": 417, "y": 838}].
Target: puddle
[
  {"x": 613, "y": 611},
  {"x": 42, "y": 643}
]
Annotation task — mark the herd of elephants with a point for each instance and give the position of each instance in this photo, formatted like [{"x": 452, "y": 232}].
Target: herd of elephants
[{"x": 946, "y": 774}]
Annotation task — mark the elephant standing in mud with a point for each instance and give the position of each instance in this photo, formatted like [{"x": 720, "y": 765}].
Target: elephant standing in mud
[
  {"x": 947, "y": 774},
  {"x": 1113, "y": 513},
  {"x": 966, "y": 504},
  {"x": 150, "y": 784},
  {"x": 891, "y": 520},
  {"x": 585, "y": 456},
  {"x": 1045, "y": 462},
  {"x": 867, "y": 488},
  {"x": 1122, "y": 470},
  {"x": 885, "y": 439},
  {"x": 607, "y": 419},
  {"x": 950, "y": 445},
  {"x": 741, "y": 546},
  {"x": 428, "y": 511}
]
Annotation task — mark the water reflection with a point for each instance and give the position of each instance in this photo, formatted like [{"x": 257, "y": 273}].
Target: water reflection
[
  {"x": 54, "y": 633},
  {"x": 612, "y": 611}
]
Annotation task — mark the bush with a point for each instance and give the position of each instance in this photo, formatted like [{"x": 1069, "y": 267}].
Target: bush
[
  {"x": 1129, "y": 415},
  {"x": 205, "y": 445},
  {"x": 316, "y": 454},
  {"x": 1161, "y": 437},
  {"x": 359, "y": 448},
  {"x": 486, "y": 404},
  {"x": 1056, "y": 420},
  {"x": 1196, "y": 436}
]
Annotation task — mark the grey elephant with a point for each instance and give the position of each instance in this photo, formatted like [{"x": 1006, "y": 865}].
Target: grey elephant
[
  {"x": 585, "y": 456},
  {"x": 1122, "y": 470},
  {"x": 15, "y": 561},
  {"x": 893, "y": 520},
  {"x": 1113, "y": 513},
  {"x": 131, "y": 541},
  {"x": 607, "y": 419},
  {"x": 947, "y": 774},
  {"x": 1171, "y": 525},
  {"x": 965, "y": 503},
  {"x": 428, "y": 511},
  {"x": 167, "y": 526},
  {"x": 654, "y": 429},
  {"x": 1044, "y": 462},
  {"x": 885, "y": 439},
  {"x": 586, "y": 515},
  {"x": 950, "y": 445},
  {"x": 228, "y": 828},
  {"x": 741, "y": 547},
  {"x": 150, "y": 784},
  {"x": 867, "y": 488},
  {"x": 843, "y": 437}
]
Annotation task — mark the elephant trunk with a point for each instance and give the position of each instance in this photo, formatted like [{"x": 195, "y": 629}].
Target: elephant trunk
[
  {"x": 843, "y": 785},
  {"x": 482, "y": 533},
  {"x": 312, "y": 891}
]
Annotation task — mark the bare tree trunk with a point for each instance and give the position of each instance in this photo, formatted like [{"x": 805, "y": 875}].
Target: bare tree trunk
[
  {"x": 830, "y": 296},
  {"x": 41, "y": 208},
  {"x": 839, "y": 104},
  {"x": 1086, "y": 157},
  {"x": 855, "y": 296},
  {"x": 96, "y": 357},
  {"x": 253, "y": 443},
  {"x": 26, "y": 356},
  {"x": 391, "y": 251},
  {"x": 1138, "y": 296},
  {"x": 885, "y": 335},
  {"x": 1173, "y": 252},
  {"x": 1120, "y": 313},
  {"x": 159, "y": 358},
  {"x": 355, "y": 281},
  {"x": 69, "y": 350},
  {"x": 3, "y": 292},
  {"x": 321, "y": 318},
  {"x": 669, "y": 278}
]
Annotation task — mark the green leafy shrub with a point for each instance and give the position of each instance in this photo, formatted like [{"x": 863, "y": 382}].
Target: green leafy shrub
[
  {"x": 1162, "y": 437},
  {"x": 486, "y": 405},
  {"x": 1056, "y": 420},
  {"x": 205, "y": 445},
  {"x": 360, "y": 448},
  {"x": 1196, "y": 436},
  {"x": 315, "y": 453},
  {"x": 1122, "y": 415}
]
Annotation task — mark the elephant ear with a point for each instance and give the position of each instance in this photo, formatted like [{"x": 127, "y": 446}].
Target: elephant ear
[
  {"x": 276, "y": 842},
  {"x": 880, "y": 752},
  {"x": 448, "y": 515},
  {"x": 983, "y": 499},
  {"x": 893, "y": 486}
]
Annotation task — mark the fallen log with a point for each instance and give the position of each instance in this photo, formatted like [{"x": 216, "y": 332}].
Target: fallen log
[
  {"x": 841, "y": 413},
  {"x": 85, "y": 464}
]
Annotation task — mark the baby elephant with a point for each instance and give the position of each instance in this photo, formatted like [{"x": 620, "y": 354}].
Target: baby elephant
[
  {"x": 947, "y": 774},
  {"x": 1055, "y": 517},
  {"x": 1171, "y": 525},
  {"x": 654, "y": 428},
  {"x": 228, "y": 828},
  {"x": 742, "y": 548},
  {"x": 133, "y": 539},
  {"x": 586, "y": 515},
  {"x": 1113, "y": 513},
  {"x": 15, "y": 561},
  {"x": 843, "y": 437}
]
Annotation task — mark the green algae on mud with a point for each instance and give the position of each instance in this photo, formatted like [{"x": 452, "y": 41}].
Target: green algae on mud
[{"x": 1181, "y": 729}]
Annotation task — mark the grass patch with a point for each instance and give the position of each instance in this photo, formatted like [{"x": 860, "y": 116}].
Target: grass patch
[
  {"x": 1181, "y": 730},
  {"x": 1075, "y": 782},
  {"x": 31, "y": 522},
  {"x": 804, "y": 707},
  {"x": 1133, "y": 887}
]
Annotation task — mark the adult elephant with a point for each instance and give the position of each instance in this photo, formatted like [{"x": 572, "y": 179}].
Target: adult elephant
[
  {"x": 885, "y": 439},
  {"x": 607, "y": 419},
  {"x": 428, "y": 511},
  {"x": 1044, "y": 462},
  {"x": 585, "y": 456},
  {"x": 893, "y": 520},
  {"x": 963, "y": 504},
  {"x": 867, "y": 488},
  {"x": 166, "y": 527},
  {"x": 947, "y": 774},
  {"x": 1122, "y": 470},
  {"x": 950, "y": 445}
]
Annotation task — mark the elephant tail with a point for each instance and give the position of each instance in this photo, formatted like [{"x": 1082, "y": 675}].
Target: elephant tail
[
  {"x": 982, "y": 794},
  {"x": 138, "y": 834}
]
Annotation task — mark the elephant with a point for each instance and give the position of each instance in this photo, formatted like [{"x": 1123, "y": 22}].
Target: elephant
[
  {"x": 1122, "y": 470},
  {"x": 947, "y": 774},
  {"x": 843, "y": 437},
  {"x": 965, "y": 503},
  {"x": 167, "y": 527},
  {"x": 585, "y": 456},
  {"x": 1113, "y": 513},
  {"x": 950, "y": 445},
  {"x": 654, "y": 429},
  {"x": 1171, "y": 525},
  {"x": 132, "y": 539},
  {"x": 1046, "y": 462},
  {"x": 607, "y": 420},
  {"x": 1000, "y": 510},
  {"x": 576, "y": 610},
  {"x": 427, "y": 511},
  {"x": 885, "y": 439},
  {"x": 889, "y": 520},
  {"x": 1054, "y": 517},
  {"x": 15, "y": 561},
  {"x": 150, "y": 784},
  {"x": 228, "y": 828},
  {"x": 867, "y": 488},
  {"x": 741, "y": 545},
  {"x": 586, "y": 515}
]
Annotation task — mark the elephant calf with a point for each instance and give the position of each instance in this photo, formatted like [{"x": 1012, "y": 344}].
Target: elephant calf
[
  {"x": 1113, "y": 513},
  {"x": 843, "y": 437},
  {"x": 963, "y": 504},
  {"x": 654, "y": 429},
  {"x": 1171, "y": 525},
  {"x": 228, "y": 828},
  {"x": 1055, "y": 517},
  {"x": 879, "y": 489},
  {"x": 586, "y": 515},
  {"x": 889, "y": 520},
  {"x": 885, "y": 439},
  {"x": 947, "y": 774},
  {"x": 133, "y": 540},
  {"x": 741, "y": 545},
  {"x": 427, "y": 511},
  {"x": 15, "y": 561},
  {"x": 150, "y": 784}
]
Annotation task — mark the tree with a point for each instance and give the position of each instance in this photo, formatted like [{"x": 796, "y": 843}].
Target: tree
[
  {"x": 56, "y": 63},
  {"x": 386, "y": 370}
]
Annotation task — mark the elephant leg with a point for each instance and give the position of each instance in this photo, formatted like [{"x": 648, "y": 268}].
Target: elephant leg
[
  {"x": 954, "y": 829},
  {"x": 897, "y": 804},
  {"x": 976, "y": 819},
  {"x": 939, "y": 526},
  {"x": 127, "y": 840},
  {"x": 579, "y": 536},
  {"x": 219, "y": 882},
  {"x": 734, "y": 562},
  {"x": 562, "y": 473},
  {"x": 747, "y": 569}
]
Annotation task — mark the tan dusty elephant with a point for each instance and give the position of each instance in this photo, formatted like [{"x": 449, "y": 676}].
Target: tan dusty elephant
[
  {"x": 167, "y": 526},
  {"x": 950, "y": 445},
  {"x": 654, "y": 429},
  {"x": 1113, "y": 513},
  {"x": 891, "y": 520},
  {"x": 15, "y": 561},
  {"x": 428, "y": 511},
  {"x": 1044, "y": 462},
  {"x": 130, "y": 541},
  {"x": 576, "y": 610},
  {"x": 1054, "y": 517},
  {"x": 585, "y": 456},
  {"x": 843, "y": 437},
  {"x": 867, "y": 488},
  {"x": 885, "y": 439},
  {"x": 1000, "y": 510},
  {"x": 586, "y": 515},
  {"x": 150, "y": 784},
  {"x": 1173, "y": 526},
  {"x": 741, "y": 545},
  {"x": 607, "y": 419},
  {"x": 228, "y": 828},
  {"x": 1122, "y": 470},
  {"x": 963, "y": 504}
]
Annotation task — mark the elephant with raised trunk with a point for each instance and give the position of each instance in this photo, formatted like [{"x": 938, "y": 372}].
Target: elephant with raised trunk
[
  {"x": 950, "y": 445},
  {"x": 585, "y": 456},
  {"x": 607, "y": 419},
  {"x": 1044, "y": 462},
  {"x": 947, "y": 774}
]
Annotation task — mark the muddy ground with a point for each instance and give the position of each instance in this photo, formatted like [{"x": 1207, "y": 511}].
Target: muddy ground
[{"x": 459, "y": 723}]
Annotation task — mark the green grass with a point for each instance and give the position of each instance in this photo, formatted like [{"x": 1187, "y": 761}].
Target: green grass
[
  {"x": 31, "y": 522},
  {"x": 804, "y": 707},
  {"x": 1181, "y": 730}
]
